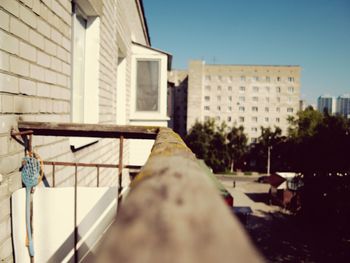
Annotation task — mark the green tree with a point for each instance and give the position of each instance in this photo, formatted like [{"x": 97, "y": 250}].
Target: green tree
[{"x": 237, "y": 146}]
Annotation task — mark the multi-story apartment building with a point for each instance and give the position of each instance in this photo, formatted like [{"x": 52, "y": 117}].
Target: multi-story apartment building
[
  {"x": 247, "y": 95},
  {"x": 343, "y": 105},
  {"x": 326, "y": 102},
  {"x": 178, "y": 100}
]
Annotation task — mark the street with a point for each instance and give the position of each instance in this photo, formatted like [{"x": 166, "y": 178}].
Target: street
[{"x": 279, "y": 236}]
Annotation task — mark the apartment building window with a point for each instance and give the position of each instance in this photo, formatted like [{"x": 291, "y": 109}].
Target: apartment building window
[
  {"x": 242, "y": 88},
  {"x": 219, "y": 88},
  {"x": 289, "y": 100},
  {"x": 229, "y": 98},
  {"x": 278, "y": 109},
  {"x": 291, "y": 79},
  {"x": 254, "y": 129},
  {"x": 85, "y": 67},
  {"x": 268, "y": 79},
  {"x": 219, "y": 108},
  {"x": 266, "y": 119},
  {"x": 267, "y": 99},
  {"x": 278, "y": 89},
  {"x": 241, "y": 109},
  {"x": 241, "y": 119},
  {"x": 278, "y": 99},
  {"x": 207, "y": 88},
  {"x": 290, "y": 89},
  {"x": 206, "y": 108},
  {"x": 208, "y": 77},
  {"x": 229, "y": 119},
  {"x": 206, "y": 118},
  {"x": 207, "y": 98},
  {"x": 241, "y": 98},
  {"x": 243, "y": 78},
  {"x": 278, "y": 79},
  {"x": 219, "y": 98},
  {"x": 220, "y": 78},
  {"x": 267, "y": 109},
  {"x": 254, "y": 119},
  {"x": 147, "y": 85},
  {"x": 231, "y": 79},
  {"x": 255, "y": 99},
  {"x": 267, "y": 89},
  {"x": 229, "y": 88},
  {"x": 277, "y": 119},
  {"x": 290, "y": 110},
  {"x": 256, "y": 78},
  {"x": 255, "y": 89},
  {"x": 255, "y": 109}
]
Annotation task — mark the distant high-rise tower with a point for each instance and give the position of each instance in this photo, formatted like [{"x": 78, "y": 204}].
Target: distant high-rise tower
[
  {"x": 343, "y": 105},
  {"x": 326, "y": 102}
]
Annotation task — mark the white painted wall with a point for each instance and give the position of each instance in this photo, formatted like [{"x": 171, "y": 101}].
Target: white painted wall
[{"x": 53, "y": 221}]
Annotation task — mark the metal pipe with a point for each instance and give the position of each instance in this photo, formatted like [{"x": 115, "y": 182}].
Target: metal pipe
[{"x": 75, "y": 214}]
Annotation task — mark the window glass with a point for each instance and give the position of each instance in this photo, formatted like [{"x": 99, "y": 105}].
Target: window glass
[{"x": 147, "y": 86}]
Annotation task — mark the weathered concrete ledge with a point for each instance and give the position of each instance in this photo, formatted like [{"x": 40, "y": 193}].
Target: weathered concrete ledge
[{"x": 174, "y": 213}]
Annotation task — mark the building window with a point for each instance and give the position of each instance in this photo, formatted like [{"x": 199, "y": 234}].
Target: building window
[
  {"x": 268, "y": 79},
  {"x": 219, "y": 108},
  {"x": 219, "y": 88},
  {"x": 255, "y": 89},
  {"x": 278, "y": 99},
  {"x": 256, "y": 99},
  {"x": 290, "y": 89},
  {"x": 254, "y": 140},
  {"x": 267, "y": 109},
  {"x": 241, "y": 98},
  {"x": 277, "y": 119},
  {"x": 254, "y": 119},
  {"x": 266, "y": 119},
  {"x": 85, "y": 68},
  {"x": 147, "y": 85},
  {"x": 290, "y": 110},
  {"x": 208, "y": 77},
  {"x": 267, "y": 99},
  {"x": 229, "y": 98},
  {"x": 206, "y": 108},
  {"x": 241, "y": 88},
  {"x": 229, "y": 88},
  {"x": 289, "y": 100},
  {"x": 278, "y": 109},
  {"x": 231, "y": 79},
  {"x": 243, "y": 78},
  {"x": 229, "y": 108},
  {"x": 241, "y": 109},
  {"x": 267, "y": 89},
  {"x": 220, "y": 78},
  {"x": 255, "y": 109},
  {"x": 254, "y": 129},
  {"x": 219, "y": 98},
  {"x": 241, "y": 119},
  {"x": 207, "y": 88},
  {"x": 217, "y": 118},
  {"x": 207, "y": 98},
  {"x": 256, "y": 78},
  {"x": 278, "y": 79},
  {"x": 229, "y": 119},
  {"x": 206, "y": 118},
  {"x": 291, "y": 79},
  {"x": 278, "y": 89}
]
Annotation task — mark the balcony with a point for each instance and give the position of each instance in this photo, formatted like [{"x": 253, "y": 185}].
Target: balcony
[{"x": 171, "y": 212}]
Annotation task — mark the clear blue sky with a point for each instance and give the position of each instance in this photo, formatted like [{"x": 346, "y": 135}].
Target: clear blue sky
[{"x": 314, "y": 34}]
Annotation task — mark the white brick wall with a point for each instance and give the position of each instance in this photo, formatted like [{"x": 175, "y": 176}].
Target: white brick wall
[{"x": 35, "y": 85}]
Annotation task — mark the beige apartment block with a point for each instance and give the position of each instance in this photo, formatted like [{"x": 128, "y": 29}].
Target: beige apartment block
[
  {"x": 74, "y": 61},
  {"x": 253, "y": 96}
]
